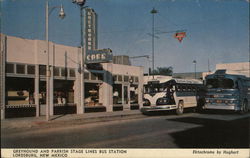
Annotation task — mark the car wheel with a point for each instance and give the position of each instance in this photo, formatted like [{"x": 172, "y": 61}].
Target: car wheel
[{"x": 180, "y": 108}]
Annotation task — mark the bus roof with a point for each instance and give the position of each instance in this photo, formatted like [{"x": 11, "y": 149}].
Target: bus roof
[
  {"x": 174, "y": 80},
  {"x": 227, "y": 74},
  {"x": 187, "y": 81},
  {"x": 156, "y": 78}
]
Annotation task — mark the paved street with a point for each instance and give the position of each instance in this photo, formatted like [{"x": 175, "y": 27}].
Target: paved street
[{"x": 191, "y": 130}]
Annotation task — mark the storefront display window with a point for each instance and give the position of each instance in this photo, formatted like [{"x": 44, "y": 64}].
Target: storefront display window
[
  {"x": 117, "y": 94},
  {"x": 63, "y": 92},
  {"x": 20, "y": 91},
  {"x": 92, "y": 94},
  {"x": 125, "y": 93},
  {"x": 133, "y": 94}
]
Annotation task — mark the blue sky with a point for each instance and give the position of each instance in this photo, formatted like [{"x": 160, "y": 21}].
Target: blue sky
[{"x": 217, "y": 30}]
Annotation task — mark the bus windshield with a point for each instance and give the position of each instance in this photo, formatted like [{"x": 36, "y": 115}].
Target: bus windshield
[
  {"x": 154, "y": 88},
  {"x": 224, "y": 83}
]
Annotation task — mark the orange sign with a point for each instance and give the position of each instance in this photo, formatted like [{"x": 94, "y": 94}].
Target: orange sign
[{"x": 180, "y": 35}]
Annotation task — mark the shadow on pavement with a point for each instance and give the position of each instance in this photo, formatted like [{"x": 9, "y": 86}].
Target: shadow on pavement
[
  {"x": 213, "y": 133},
  {"x": 168, "y": 112}
]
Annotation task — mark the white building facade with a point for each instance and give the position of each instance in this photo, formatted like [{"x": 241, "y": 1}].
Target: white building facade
[
  {"x": 242, "y": 68},
  {"x": 23, "y": 80}
]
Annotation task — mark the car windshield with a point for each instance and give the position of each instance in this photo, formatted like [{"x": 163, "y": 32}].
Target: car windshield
[{"x": 224, "y": 83}]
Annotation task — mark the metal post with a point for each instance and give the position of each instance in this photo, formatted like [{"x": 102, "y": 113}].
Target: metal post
[
  {"x": 82, "y": 98},
  {"x": 47, "y": 66},
  {"x": 194, "y": 62},
  {"x": 83, "y": 62},
  {"x": 3, "y": 91},
  {"x": 195, "y": 70},
  {"x": 153, "y": 11},
  {"x": 249, "y": 63}
]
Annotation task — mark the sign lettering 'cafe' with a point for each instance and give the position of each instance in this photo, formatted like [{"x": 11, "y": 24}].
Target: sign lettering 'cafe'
[{"x": 99, "y": 56}]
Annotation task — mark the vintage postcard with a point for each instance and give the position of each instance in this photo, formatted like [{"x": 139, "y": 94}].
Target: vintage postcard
[{"x": 125, "y": 78}]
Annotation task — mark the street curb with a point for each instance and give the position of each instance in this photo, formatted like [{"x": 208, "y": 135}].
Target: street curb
[{"x": 56, "y": 122}]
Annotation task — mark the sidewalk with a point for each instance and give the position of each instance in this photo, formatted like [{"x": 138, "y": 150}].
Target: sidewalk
[{"x": 68, "y": 119}]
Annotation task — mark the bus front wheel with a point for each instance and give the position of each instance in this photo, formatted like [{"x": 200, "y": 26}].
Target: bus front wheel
[
  {"x": 180, "y": 108},
  {"x": 244, "y": 107}
]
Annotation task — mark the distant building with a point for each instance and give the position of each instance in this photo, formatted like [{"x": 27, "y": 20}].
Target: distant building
[
  {"x": 91, "y": 29},
  {"x": 242, "y": 68},
  {"x": 121, "y": 59},
  {"x": 188, "y": 75}
]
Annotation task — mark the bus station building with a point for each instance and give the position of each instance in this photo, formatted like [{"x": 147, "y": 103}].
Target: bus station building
[{"x": 108, "y": 86}]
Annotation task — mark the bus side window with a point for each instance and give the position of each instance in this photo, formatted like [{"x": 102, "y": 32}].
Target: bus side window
[
  {"x": 177, "y": 88},
  {"x": 193, "y": 88},
  {"x": 184, "y": 88}
]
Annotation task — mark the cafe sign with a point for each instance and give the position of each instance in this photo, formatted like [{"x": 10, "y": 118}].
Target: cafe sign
[{"x": 98, "y": 56}]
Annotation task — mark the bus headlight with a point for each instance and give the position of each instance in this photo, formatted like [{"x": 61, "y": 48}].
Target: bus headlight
[
  {"x": 146, "y": 102},
  {"x": 161, "y": 101}
]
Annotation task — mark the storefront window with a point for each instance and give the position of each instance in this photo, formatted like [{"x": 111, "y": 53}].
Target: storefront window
[
  {"x": 72, "y": 73},
  {"x": 63, "y": 72},
  {"x": 20, "y": 69},
  {"x": 63, "y": 92},
  {"x": 92, "y": 94},
  {"x": 100, "y": 76},
  {"x": 133, "y": 94},
  {"x": 86, "y": 75},
  {"x": 136, "y": 79},
  {"x": 19, "y": 91},
  {"x": 131, "y": 80},
  {"x": 120, "y": 78},
  {"x": 125, "y": 78},
  {"x": 117, "y": 94},
  {"x": 9, "y": 68},
  {"x": 31, "y": 69},
  {"x": 93, "y": 76},
  {"x": 125, "y": 92},
  {"x": 56, "y": 71},
  {"x": 114, "y": 78},
  {"x": 42, "y": 69}
]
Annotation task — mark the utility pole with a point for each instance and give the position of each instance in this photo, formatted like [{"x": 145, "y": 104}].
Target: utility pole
[
  {"x": 208, "y": 66},
  {"x": 153, "y": 12},
  {"x": 81, "y": 3},
  {"x": 49, "y": 86},
  {"x": 194, "y": 62}
]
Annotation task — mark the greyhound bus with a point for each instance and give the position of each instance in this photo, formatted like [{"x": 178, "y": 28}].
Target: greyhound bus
[
  {"x": 227, "y": 91},
  {"x": 173, "y": 94}
]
